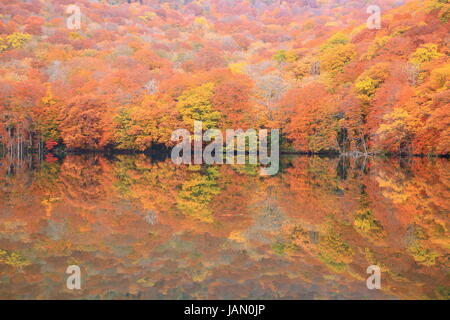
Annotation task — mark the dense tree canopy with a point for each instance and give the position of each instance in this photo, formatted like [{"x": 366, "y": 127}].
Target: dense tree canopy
[{"x": 134, "y": 72}]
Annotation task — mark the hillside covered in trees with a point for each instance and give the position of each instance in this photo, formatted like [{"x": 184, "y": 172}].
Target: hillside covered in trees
[{"x": 134, "y": 72}]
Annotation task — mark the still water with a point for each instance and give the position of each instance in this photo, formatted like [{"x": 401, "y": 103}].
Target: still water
[{"x": 141, "y": 228}]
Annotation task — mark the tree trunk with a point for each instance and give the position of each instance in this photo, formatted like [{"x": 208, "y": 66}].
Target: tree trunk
[{"x": 364, "y": 144}]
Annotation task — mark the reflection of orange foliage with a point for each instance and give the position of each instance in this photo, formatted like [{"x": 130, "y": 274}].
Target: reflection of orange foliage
[
  {"x": 49, "y": 157},
  {"x": 148, "y": 229},
  {"x": 121, "y": 215}
]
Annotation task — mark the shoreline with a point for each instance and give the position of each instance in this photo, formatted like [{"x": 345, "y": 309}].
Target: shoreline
[
  {"x": 331, "y": 154},
  {"x": 167, "y": 153}
]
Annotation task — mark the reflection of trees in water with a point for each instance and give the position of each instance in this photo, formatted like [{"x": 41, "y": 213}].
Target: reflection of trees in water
[
  {"x": 390, "y": 212},
  {"x": 358, "y": 165},
  {"x": 197, "y": 193},
  {"x": 313, "y": 221},
  {"x": 342, "y": 167}
]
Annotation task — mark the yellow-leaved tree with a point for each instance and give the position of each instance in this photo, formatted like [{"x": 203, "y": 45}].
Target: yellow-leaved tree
[
  {"x": 336, "y": 53},
  {"x": 195, "y": 104}
]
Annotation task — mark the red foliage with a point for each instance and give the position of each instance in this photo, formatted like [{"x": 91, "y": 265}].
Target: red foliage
[{"x": 50, "y": 144}]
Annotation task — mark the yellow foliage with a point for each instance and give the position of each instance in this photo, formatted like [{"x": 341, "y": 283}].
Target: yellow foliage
[
  {"x": 18, "y": 39},
  {"x": 237, "y": 67},
  {"x": 146, "y": 282},
  {"x": 331, "y": 24},
  {"x": 376, "y": 45},
  {"x": 148, "y": 16},
  {"x": 13, "y": 259},
  {"x": 395, "y": 124},
  {"x": 335, "y": 252},
  {"x": 201, "y": 22},
  {"x": 75, "y": 35},
  {"x": 283, "y": 56},
  {"x": 137, "y": 127},
  {"x": 48, "y": 99},
  {"x": 442, "y": 7},
  {"x": 440, "y": 77},
  {"x": 400, "y": 30},
  {"x": 3, "y": 254},
  {"x": 358, "y": 29},
  {"x": 291, "y": 56},
  {"x": 422, "y": 255},
  {"x": 392, "y": 190},
  {"x": 369, "y": 81},
  {"x": 366, "y": 224},
  {"x": 199, "y": 276},
  {"x": 197, "y": 193},
  {"x": 335, "y": 40},
  {"x": 15, "y": 40},
  {"x": 334, "y": 58},
  {"x": 3, "y": 44},
  {"x": 236, "y": 236},
  {"x": 301, "y": 69},
  {"x": 425, "y": 53},
  {"x": 195, "y": 104}
]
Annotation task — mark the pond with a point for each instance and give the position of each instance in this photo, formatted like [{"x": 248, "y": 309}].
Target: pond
[{"x": 145, "y": 228}]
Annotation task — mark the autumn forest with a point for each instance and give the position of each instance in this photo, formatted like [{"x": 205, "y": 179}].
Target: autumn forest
[
  {"x": 135, "y": 72},
  {"x": 88, "y": 108}
]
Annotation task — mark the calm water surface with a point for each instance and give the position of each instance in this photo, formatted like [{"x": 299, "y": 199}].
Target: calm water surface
[{"x": 141, "y": 228}]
